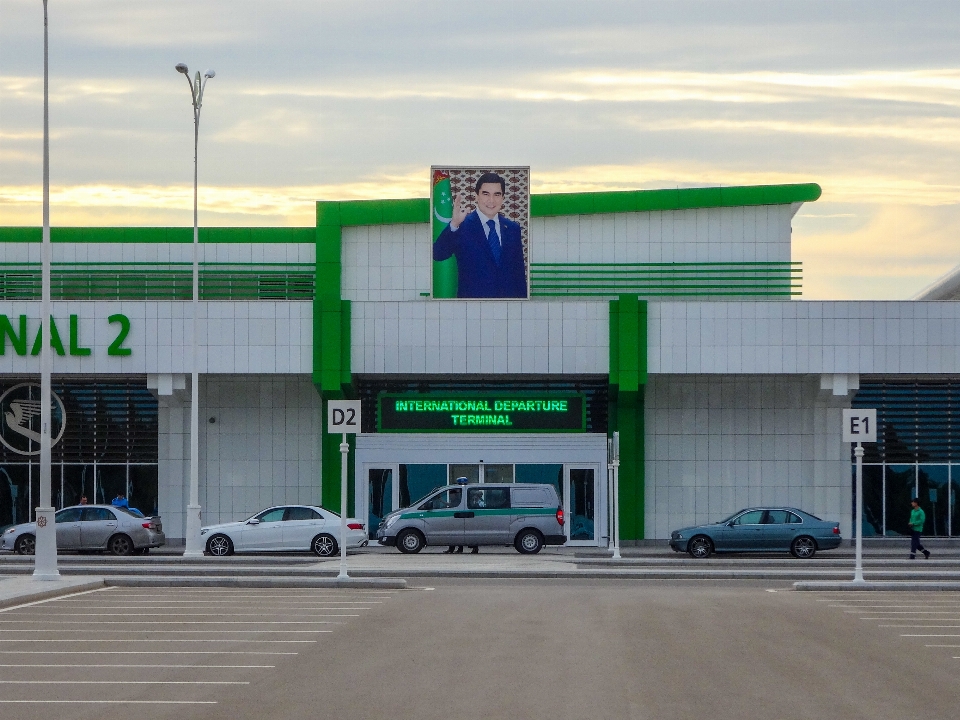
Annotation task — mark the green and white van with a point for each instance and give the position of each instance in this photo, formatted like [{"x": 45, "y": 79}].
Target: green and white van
[{"x": 527, "y": 516}]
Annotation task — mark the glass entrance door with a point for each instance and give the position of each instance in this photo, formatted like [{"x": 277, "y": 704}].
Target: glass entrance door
[
  {"x": 580, "y": 503},
  {"x": 380, "y": 496}
]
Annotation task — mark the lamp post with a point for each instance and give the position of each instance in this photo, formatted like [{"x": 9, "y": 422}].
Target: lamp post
[
  {"x": 45, "y": 560},
  {"x": 194, "y": 545}
]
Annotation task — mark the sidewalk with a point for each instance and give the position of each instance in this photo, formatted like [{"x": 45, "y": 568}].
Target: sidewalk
[{"x": 20, "y": 590}]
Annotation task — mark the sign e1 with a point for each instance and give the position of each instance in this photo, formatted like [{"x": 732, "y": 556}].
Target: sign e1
[
  {"x": 343, "y": 416},
  {"x": 860, "y": 425}
]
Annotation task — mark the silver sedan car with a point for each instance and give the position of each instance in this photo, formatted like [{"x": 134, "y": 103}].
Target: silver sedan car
[{"x": 92, "y": 527}]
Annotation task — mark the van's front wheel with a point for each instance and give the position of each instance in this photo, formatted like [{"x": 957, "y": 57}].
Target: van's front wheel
[
  {"x": 410, "y": 541},
  {"x": 528, "y": 542}
]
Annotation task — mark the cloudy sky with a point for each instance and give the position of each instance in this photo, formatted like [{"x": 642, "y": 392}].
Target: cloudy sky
[{"x": 323, "y": 99}]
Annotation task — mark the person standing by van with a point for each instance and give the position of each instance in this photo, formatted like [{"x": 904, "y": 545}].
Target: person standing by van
[
  {"x": 917, "y": 520},
  {"x": 474, "y": 549}
]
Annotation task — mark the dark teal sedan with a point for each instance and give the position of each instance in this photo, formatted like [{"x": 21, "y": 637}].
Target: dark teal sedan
[{"x": 764, "y": 529}]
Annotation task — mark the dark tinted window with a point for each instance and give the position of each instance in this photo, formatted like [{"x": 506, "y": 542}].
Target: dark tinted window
[
  {"x": 446, "y": 499},
  {"x": 272, "y": 515},
  {"x": 793, "y": 518},
  {"x": 488, "y": 498},
  {"x": 302, "y": 513},
  {"x": 750, "y": 518},
  {"x": 69, "y": 515},
  {"x": 95, "y": 514}
]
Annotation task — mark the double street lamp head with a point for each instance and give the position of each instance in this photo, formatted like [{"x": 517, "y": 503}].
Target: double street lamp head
[
  {"x": 182, "y": 68},
  {"x": 196, "y": 87}
]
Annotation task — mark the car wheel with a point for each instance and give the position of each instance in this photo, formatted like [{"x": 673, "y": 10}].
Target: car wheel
[
  {"x": 120, "y": 545},
  {"x": 220, "y": 546},
  {"x": 26, "y": 545},
  {"x": 700, "y": 547},
  {"x": 324, "y": 546},
  {"x": 410, "y": 541},
  {"x": 803, "y": 547},
  {"x": 528, "y": 542}
]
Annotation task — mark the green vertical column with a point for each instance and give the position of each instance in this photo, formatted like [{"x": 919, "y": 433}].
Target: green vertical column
[
  {"x": 628, "y": 378},
  {"x": 331, "y": 350},
  {"x": 444, "y": 271}
]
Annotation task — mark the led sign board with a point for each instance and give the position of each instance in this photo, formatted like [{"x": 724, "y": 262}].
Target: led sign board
[{"x": 493, "y": 412}]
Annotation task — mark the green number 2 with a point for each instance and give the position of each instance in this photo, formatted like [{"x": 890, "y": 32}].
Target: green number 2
[{"x": 116, "y": 347}]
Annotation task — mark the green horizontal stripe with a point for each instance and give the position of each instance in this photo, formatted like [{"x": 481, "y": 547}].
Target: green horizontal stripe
[
  {"x": 706, "y": 293},
  {"x": 478, "y": 512},
  {"x": 162, "y": 235},
  {"x": 668, "y": 264}
]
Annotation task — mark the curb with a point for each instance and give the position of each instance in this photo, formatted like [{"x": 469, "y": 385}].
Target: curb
[{"x": 849, "y": 585}]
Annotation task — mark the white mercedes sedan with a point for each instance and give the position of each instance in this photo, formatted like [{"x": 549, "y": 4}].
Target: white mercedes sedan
[{"x": 284, "y": 528}]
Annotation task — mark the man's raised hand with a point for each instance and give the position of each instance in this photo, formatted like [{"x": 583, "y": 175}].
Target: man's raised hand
[{"x": 460, "y": 211}]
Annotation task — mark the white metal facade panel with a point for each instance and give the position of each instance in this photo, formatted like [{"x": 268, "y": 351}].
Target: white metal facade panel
[
  {"x": 386, "y": 262},
  {"x": 496, "y": 336},
  {"x": 240, "y": 253},
  {"x": 269, "y": 337},
  {"x": 798, "y": 337},
  {"x": 482, "y": 447},
  {"x": 263, "y": 448},
  {"x": 739, "y": 234},
  {"x": 716, "y": 444}
]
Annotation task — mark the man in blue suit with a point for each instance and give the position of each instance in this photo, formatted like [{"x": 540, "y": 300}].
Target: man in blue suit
[{"x": 487, "y": 245}]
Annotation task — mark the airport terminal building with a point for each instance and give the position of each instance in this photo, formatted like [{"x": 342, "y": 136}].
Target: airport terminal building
[{"x": 673, "y": 317}]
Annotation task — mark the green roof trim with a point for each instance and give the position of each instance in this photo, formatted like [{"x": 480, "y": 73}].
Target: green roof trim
[
  {"x": 352, "y": 213},
  {"x": 154, "y": 235},
  {"x": 417, "y": 210},
  {"x": 677, "y": 199}
]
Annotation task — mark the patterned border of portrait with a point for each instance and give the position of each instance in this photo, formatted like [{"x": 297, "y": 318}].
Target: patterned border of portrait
[{"x": 516, "y": 204}]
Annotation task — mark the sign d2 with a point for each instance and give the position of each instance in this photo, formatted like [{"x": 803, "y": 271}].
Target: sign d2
[
  {"x": 343, "y": 416},
  {"x": 860, "y": 425}
]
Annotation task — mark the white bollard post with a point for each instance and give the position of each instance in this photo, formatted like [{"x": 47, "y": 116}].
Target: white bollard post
[
  {"x": 858, "y": 570},
  {"x": 344, "y": 449}
]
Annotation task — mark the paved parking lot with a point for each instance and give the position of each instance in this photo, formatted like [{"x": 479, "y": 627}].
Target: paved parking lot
[
  {"x": 164, "y": 652},
  {"x": 475, "y": 649},
  {"x": 930, "y": 620}
]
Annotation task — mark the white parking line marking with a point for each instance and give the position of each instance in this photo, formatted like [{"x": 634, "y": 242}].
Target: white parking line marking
[
  {"x": 140, "y": 652},
  {"x": 141, "y": 632},
  {"x": 282, "y": 606},
  {"x": 919, "y": 627},
  {"x": 183, "y": 622},
  {"x": 111, "y": 702},
  {"x": 928, "y": 635},
  {"x": 128, "y": 665},
  {"x": 891, "y": 612},
  {"x": 199, "y": 598},
  {"x": 124, "y": 682},
  {"x": 153, "y": 640},
  {"x": 948, "y": 619},
  {"x": 874, "y": 607},
  {"x": 49, "y": 600},
  {"x": 198, "y": 614}
]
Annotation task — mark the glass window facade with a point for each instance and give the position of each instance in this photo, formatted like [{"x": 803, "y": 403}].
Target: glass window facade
[
  {"x": 917, "y": 454},
  {"x": 109, "y": 446}
]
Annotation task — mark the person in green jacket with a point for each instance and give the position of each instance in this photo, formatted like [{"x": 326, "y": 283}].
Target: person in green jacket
[{"x": 917, "y": 520}]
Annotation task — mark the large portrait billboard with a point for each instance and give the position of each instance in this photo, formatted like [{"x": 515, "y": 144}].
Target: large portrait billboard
[{"x": 481, "y": 217}]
